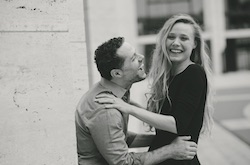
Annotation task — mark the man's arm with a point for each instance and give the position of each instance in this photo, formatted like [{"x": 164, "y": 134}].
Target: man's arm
[
  {"x": 139, "y": 140},
  {"x": 179, "y": 149},
  {"x": 108, "y": 135}
]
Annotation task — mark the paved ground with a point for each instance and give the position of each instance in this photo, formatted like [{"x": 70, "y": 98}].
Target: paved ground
[
  {"x": 223, "y": 148},
  {"x": 233, "y": 111}
]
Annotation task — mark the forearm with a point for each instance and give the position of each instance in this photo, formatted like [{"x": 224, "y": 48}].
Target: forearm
[
  {"x": 141, "y": 140},
  {"x": 157, "y": 156},
  {"x": 162, "y": 122},
  {"x": 180, "y": 149},
  {"x": 136, "y": 104}
]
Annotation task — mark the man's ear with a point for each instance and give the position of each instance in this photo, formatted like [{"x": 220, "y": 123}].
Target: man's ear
[
  {"x": 195, "y": 44},
  {"x": 116, "y": 73}
]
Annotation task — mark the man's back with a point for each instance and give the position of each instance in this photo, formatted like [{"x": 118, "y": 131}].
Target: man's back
[
  {"x": 101, "y": 133},
  {"x": 86, "y": 148}
]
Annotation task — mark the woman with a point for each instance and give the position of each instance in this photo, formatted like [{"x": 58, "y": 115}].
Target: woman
[{"x": 180, "y": 88}]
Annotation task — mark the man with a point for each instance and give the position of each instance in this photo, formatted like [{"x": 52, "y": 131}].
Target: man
[{"x": 102, "y": 136}]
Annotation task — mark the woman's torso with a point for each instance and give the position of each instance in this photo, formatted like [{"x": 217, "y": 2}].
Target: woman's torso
[{"x": 187, "y": 92}]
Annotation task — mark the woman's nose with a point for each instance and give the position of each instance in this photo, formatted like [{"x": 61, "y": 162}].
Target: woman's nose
[{"x": 176, "y": 42}]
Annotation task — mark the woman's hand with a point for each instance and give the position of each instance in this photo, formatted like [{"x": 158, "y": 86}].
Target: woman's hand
[
  {"x": 163, "y": 122},
  {"x": 111, "y": 101}
]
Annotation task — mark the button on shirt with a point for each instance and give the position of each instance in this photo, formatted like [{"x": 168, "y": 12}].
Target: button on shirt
[{"x": 101, "y": 133}]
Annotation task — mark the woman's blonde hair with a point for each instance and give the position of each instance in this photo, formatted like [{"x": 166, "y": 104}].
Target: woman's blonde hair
[{"x": 159, "y": 74}]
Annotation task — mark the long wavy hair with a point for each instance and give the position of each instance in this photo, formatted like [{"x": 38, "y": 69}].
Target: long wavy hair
[{"x": 159, "y": 74}]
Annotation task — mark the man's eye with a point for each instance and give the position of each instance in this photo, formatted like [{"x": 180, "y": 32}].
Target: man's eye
[{"x": 133, "y": 59}]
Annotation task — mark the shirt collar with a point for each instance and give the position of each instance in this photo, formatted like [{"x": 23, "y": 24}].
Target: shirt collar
[{"x": 114, "y": 88}]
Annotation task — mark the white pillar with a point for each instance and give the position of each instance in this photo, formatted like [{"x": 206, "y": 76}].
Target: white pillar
[
  {"x": 217, "y": 16},
  {"x": 108, "y": 19}
]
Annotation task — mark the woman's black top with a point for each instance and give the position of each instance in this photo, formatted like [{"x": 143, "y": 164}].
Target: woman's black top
[{"x": 187, "y": 92}]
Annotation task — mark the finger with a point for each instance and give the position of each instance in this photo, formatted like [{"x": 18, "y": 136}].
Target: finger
[
  {"x": 104, "y": 100},
  {"x": 109, "y": 106},
  {"x": 184, "y": 137},
  {"x": 192, "y": 149},
  {"x": 103, "y": 95},
  {"x": 192, "y": 152},
  {"x": 193, "y": 144},
  {"x": 189, "y": 157}
]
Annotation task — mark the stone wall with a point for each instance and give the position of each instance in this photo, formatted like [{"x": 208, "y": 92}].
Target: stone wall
[{"x": 43, "y": 72}]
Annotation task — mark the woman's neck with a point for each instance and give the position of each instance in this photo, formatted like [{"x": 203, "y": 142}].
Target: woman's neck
[{"x": 178, "y": 68}]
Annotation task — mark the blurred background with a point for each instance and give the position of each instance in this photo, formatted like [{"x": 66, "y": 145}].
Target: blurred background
[{"x": 46, "y": 64}]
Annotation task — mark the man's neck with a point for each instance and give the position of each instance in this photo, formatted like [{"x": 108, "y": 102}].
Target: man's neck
[{"x": 121, "y": 83}]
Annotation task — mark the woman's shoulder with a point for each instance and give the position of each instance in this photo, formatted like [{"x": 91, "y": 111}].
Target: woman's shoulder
[{"x": 195, "y": 69}]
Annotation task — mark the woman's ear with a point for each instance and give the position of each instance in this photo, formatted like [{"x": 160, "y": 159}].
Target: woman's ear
[{"x": 116, "y": 73}]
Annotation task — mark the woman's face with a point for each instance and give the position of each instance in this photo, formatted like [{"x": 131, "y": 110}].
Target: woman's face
[{"x": 180, "y": 43}]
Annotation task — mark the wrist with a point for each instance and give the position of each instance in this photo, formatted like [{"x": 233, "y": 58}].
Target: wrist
[
  {"x": 172, "y": 153},
  {"x": 133, "y": 110},
  {"x": 168, "y": 151}
]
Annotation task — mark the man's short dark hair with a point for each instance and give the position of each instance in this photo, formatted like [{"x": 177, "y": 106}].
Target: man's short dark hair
[{"x": 106, "y": 57}]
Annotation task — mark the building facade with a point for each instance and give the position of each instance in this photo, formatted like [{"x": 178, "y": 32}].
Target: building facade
[{"x": 225, "y": 24}]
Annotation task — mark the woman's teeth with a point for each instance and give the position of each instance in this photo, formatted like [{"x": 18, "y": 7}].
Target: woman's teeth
[{"x": 175, "y": 51}]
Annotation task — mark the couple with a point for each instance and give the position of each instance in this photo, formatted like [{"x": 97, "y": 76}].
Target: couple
[{"x": 179, "y": 106}]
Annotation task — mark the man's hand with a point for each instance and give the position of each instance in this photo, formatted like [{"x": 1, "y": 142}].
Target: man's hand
[{"x": 183, "y": 149}]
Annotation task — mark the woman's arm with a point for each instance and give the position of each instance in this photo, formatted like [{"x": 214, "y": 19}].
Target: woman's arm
[
  {"x": 163, "y": 122},
  {"x": 136, "y": 104}
]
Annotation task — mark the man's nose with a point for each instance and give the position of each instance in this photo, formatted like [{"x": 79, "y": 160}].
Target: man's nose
[{"x": 140, "y": 57}]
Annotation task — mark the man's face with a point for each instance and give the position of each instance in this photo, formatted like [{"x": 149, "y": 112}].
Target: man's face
[{"x": 133, "y": 67}]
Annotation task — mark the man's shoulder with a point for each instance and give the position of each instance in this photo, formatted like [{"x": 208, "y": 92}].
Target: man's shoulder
[
  {"x": 88, "y": 108},
  {"x": 103, "y": 116},
  {"x": 89, "y": 97}
]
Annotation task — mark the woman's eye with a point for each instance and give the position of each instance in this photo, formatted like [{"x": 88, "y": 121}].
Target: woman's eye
[
  {"x": 184, "y": 38},
  {"x": 171, "y": 37}
]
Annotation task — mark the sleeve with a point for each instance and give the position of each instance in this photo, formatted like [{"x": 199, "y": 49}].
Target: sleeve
[
  {"x": 108, "y": 135},
  {"x": 135, "y": 140},
  {"x": 192, "y": 91}
]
